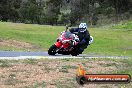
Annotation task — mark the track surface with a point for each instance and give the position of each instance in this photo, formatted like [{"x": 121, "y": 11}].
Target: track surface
[{"x": 37, "y": 55}]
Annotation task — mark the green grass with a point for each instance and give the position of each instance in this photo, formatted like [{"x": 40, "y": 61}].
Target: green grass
[
  {"x": 37, "y": 85},
  {"x": 5, "y": 63},
  {"x": 111, "y": 42},
  {"x": 123, "y": 25},
  {"x": 127, "y": 66},
  {"x": 107, "y": 41},
  {"x": 30, "y": 61},
  {"x": 42, "y": 36}
]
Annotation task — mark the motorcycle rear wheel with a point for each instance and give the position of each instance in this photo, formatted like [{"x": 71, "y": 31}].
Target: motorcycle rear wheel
[
  {"x": 52, "y": 50},
  {"x": 74, "y": 53}
]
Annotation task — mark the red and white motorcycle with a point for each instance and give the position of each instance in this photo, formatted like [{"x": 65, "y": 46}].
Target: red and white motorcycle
[{"x": 66, "y": 44}]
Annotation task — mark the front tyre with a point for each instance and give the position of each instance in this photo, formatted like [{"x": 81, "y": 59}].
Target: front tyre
[{"x": 52, "y": 50}]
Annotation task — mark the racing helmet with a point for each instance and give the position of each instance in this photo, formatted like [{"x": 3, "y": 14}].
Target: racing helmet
[{"x": 83, "y": 27}]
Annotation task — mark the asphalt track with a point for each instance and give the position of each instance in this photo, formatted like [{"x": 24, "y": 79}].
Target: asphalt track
[{"x": 15, "y": 55}]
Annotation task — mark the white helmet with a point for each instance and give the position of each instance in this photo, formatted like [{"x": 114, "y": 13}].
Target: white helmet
[{"x": 83, "y": 27}]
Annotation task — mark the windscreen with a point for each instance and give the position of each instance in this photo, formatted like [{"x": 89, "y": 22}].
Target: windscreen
[{"x": 68, "y": 35}]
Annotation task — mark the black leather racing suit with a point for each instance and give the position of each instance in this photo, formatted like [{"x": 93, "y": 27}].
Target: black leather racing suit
[{"x": 84, "y": 39}]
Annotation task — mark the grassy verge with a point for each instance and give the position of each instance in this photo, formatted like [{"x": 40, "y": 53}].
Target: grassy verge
[
  {"x": 59, "y": 73},
  {"x": 123, "y": 25},
  {"x": 107, "y": 41}
]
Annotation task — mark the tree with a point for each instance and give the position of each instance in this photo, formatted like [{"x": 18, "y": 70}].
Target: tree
[
  {"x": 81, "y": 8},
  {"x": 9, "y": 9},
  {"x": 32, "y": 11},
  {"x": 52, "y": 11},
  {"x": 77, "y": 10}
]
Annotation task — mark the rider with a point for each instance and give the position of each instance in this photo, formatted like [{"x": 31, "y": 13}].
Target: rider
[{"x": 83, "y": 35}]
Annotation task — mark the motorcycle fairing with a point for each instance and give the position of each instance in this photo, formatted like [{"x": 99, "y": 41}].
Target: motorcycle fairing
[{"x": 58, "y": 44}]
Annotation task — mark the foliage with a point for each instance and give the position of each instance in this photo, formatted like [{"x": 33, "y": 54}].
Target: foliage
[
  {"x": 9, "y": 10},
  {"x": 32, "y": 11},
  {"x": 50, "y": 11}
]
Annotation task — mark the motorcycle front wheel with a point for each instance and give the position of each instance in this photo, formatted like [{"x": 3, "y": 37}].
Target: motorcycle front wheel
[{"x": 52, "y": 50}]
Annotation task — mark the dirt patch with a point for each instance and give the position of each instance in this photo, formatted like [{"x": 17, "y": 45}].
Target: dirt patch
[
  {"x": 52, "y": 73},
  {"x": 16, "y": 44},
  {"x": 102, "y": 66}
]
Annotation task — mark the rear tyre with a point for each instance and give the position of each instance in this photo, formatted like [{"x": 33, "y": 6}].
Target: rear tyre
[
  {"x": 74, "y": 53},
  {"x": 52, "y": 50}
]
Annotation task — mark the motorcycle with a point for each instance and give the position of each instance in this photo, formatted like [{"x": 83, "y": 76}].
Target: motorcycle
[{"x": 66, "y": 44}]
